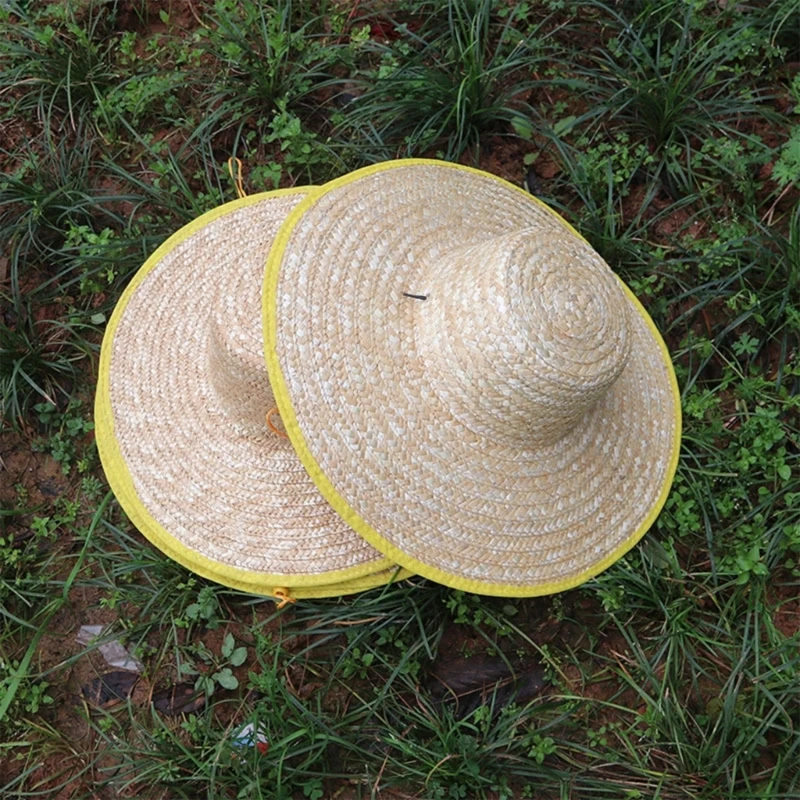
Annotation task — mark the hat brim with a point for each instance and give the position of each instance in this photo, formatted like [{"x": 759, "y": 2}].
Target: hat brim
[
  {"x": 232, "y": 505},
  {"x": 386, "y": 453}
]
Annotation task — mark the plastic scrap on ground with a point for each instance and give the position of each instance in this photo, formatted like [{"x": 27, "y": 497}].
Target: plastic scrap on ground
[
  {"x": 112, "y": 651},
  {"x": 249, "y": 736}
]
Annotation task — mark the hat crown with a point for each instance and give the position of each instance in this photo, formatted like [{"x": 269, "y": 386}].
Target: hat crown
[
  {"x": 527, "y": 331},
  {"x": 236, "y": 369}
]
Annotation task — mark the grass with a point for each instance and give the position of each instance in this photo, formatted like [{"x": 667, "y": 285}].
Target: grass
[
  {"x": 62, "y": 68},
  {"x": 667, "y": 133},
  {"x": 673, "y": 83},
  {"x": 456, "y": 80}
]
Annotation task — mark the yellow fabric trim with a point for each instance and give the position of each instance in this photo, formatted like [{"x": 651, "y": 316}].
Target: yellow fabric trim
[
  {"x": 334, "y": 583},
  {"x": 327, "y": 489}
]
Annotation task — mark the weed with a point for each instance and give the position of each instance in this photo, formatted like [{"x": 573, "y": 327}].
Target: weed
[
  {"x": 444, "y": 91},
  {"x": 30, "y": 696},
  {"x": 67, "y": 432},
  {"x": 676, "y": 80},
  {"x": 48, "y": 197},
  {"x": 35, "y": 368},
  {"x": 64, "y": 68},
  {"x": 787, "y": 168},
  {"x": 475, "y": 611},
  {"x": 217, "y": 670},
  {"x": 266, "y": 57}
]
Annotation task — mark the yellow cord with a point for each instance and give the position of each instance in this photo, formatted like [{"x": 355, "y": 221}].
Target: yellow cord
[
  {"x": 283, "y": 595},
  {"x": 237, "y": 176}
]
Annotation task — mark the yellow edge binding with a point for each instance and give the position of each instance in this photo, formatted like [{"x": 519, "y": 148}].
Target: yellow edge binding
[
  {"x": 329, "y": 584},
  {"x": 349, "y": 514}
]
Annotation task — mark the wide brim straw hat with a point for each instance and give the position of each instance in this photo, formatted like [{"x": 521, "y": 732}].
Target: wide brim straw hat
[
  {"x": 181, "y": 419},
  {"x": 468, "y": 383}
]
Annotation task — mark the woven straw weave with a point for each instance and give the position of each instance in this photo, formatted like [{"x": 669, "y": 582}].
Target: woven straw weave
[{"x": 515, "y": 431}]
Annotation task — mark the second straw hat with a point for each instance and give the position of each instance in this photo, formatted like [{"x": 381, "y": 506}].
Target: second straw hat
[
  {"x": 181, "y": 419},
  {"x": 466, "y": 381}
]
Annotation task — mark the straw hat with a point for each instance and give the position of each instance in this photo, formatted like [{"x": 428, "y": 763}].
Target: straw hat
[
  {"x": 467, "y": 382},
  {"x": 180, "y": 419}
]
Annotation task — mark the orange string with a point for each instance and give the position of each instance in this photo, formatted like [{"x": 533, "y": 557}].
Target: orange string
[
  {"x": 283, "y": 595},
  {"x": 271, "y": 425}
]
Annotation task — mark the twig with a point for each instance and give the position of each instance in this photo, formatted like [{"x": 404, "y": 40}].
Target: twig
[{"x": 771, "y": 211}]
